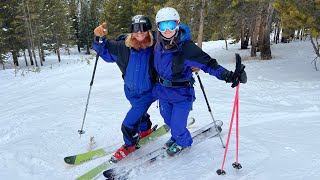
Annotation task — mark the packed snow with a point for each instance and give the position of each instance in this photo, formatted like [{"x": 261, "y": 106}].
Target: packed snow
[{"x": 279, "y": 118}]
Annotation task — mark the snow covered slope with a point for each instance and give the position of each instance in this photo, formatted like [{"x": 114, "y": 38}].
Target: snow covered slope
[{"x": 40, "y": 114}]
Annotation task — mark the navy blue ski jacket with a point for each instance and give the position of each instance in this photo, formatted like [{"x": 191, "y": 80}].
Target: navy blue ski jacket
[
  {"x": 174, "y": 65},
  {"x": 136, "y": 67}
]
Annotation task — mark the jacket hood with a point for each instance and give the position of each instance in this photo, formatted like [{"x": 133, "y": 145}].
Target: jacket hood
[{"x": 184, "y": 33}]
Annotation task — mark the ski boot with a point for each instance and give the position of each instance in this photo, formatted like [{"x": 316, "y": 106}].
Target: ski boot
[
  {"x": 145, "y": 133},
  {"x": 175, "y": 149},
  {"x": 122, "y": 153},
  {"x": 169, "y": 143}
]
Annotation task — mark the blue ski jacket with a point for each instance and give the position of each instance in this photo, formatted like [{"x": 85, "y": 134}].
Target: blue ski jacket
[
  {"x": 137, "y": 69},
  {"x": 174, "y": 65}
]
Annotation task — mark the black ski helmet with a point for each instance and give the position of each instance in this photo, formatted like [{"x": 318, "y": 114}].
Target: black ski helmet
[{"x": 140, "y": 23}]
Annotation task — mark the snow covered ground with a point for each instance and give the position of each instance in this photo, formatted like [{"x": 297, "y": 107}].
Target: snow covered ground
[{"x": 40, "y": 114}]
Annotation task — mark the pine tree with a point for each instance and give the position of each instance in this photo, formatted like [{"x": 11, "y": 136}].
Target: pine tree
[
  {"x": 302, "y": 14},
  {"x": 218, "y": 20},
  {"x": 85, "y": 34},
  {"x": 265, "y": 29},
  {"x": 148, "y": 8},
  {"x": 3, "y": 48},
  {"x": 118, "y": 14},
  {"x": 73, "y": 15},
  {"x": 56, "y": 25},
  {"x": 32, "y": 22},
  {"x": 94, "y": 18},
  {"x": 215, "y": 14},
  {"x": 3, "y": 38},
  {"x": 12, "y": 28}
]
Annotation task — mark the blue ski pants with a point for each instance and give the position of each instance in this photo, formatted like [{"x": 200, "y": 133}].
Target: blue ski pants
[
  {"x": 175, "y": 115},
  {"x": 137, "y": 119}
]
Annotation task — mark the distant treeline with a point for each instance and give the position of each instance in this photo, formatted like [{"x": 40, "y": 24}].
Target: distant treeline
[{"x": 31, "y": 27}]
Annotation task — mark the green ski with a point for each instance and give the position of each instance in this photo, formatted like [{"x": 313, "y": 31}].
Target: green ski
[
  {"x": 154, "y": 135},
  {"x": 97, "y": 170},
  {"x": 88, "y": 156}
]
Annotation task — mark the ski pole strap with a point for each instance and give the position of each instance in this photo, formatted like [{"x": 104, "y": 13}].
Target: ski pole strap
[{"x": 168, "y": 83}]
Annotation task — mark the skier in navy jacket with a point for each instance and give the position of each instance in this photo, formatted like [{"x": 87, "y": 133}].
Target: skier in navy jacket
[
  {"x": 174, "y": 58},
  {"x": 134, "y": 56}
]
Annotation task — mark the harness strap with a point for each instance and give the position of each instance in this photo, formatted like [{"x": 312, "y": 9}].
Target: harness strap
[{"x": 168, "y": 83}]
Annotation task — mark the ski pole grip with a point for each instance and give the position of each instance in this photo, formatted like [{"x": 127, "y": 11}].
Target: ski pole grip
[
  {"x": 100, "y": 40},
  {"x": 239, "y": 68}
]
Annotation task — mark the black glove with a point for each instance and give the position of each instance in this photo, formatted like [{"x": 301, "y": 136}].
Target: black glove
[
  {"x": 239, "y": 75},
  {"x": 236, "y": 77}
]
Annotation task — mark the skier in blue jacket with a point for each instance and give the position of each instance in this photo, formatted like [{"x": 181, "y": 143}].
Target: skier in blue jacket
[
  {"x": 174, "y": 58},
  {"x": 134, "y": 56}
]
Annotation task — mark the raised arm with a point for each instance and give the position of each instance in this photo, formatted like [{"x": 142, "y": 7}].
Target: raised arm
[
  {"x": 195, "y": 57},
  {"x": 109, "y": 48}
]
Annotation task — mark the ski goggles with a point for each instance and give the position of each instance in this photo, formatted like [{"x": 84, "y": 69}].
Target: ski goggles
[
  {"x": 142, "y": 27},
  {"x": 170, "y": 25}
]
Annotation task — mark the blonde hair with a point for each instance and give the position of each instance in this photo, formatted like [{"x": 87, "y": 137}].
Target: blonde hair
[{"x": 132, "y": 42}]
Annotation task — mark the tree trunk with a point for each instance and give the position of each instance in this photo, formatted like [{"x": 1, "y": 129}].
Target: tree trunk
[
  {"x": 254, "y": 37},
  {"x": 246, "y": 36},
  {"x": 3, "y": 67},
  {"x": 29, "y": 27},
  {"x": 200, "y": 33},
  {"x": 57, "y": 48},
  {"x": 2, "y": 62},
  {"x": 88, "y": 36},
  {"x": 68, "y": 49},
  {"x": 58, "y": 54},
  {"x": 275, "y": 32},
  {"x": 34, "y": 56},
  {"x": 316, "y": 46},
  {"x": 25, "y": 57},
  {"x": 243, "y": 43},
  {"x": 42, "y": 53},
  {"x": 88, "y": 46},
  {"x": 30, "y": 56},
  {"x": 15, "y": 57},
  {"x": 224, "y": 37},
  {"x": 298, "y": 34},
  {"x": 301, "y": 34},
  {"x": 39, "y": 46},
  {"x": 285, "y": 38},
  {"x": 278, "y": 34},
  {"x": 39, "y": 52},
  {"x": 266, "y": 27}
]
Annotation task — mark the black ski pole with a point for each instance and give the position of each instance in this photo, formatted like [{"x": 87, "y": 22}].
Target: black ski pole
[
  {"x": 209, "y": 109},
  {"x": 81, "y": 131}
]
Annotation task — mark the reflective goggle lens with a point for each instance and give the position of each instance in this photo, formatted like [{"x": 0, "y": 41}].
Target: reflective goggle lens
[
  {"x": 142, "y": 27},
  {"x": 170, "y": 25}
]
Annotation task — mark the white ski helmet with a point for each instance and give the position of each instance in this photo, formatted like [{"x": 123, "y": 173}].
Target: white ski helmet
[{"x": 166, "y": 14}]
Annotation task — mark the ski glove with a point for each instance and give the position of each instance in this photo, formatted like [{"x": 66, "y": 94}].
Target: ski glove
[
  {"x": 101, "y": 30},
  {"x": 236, "y": 77},
  {"x": 239, "y": 75}
]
